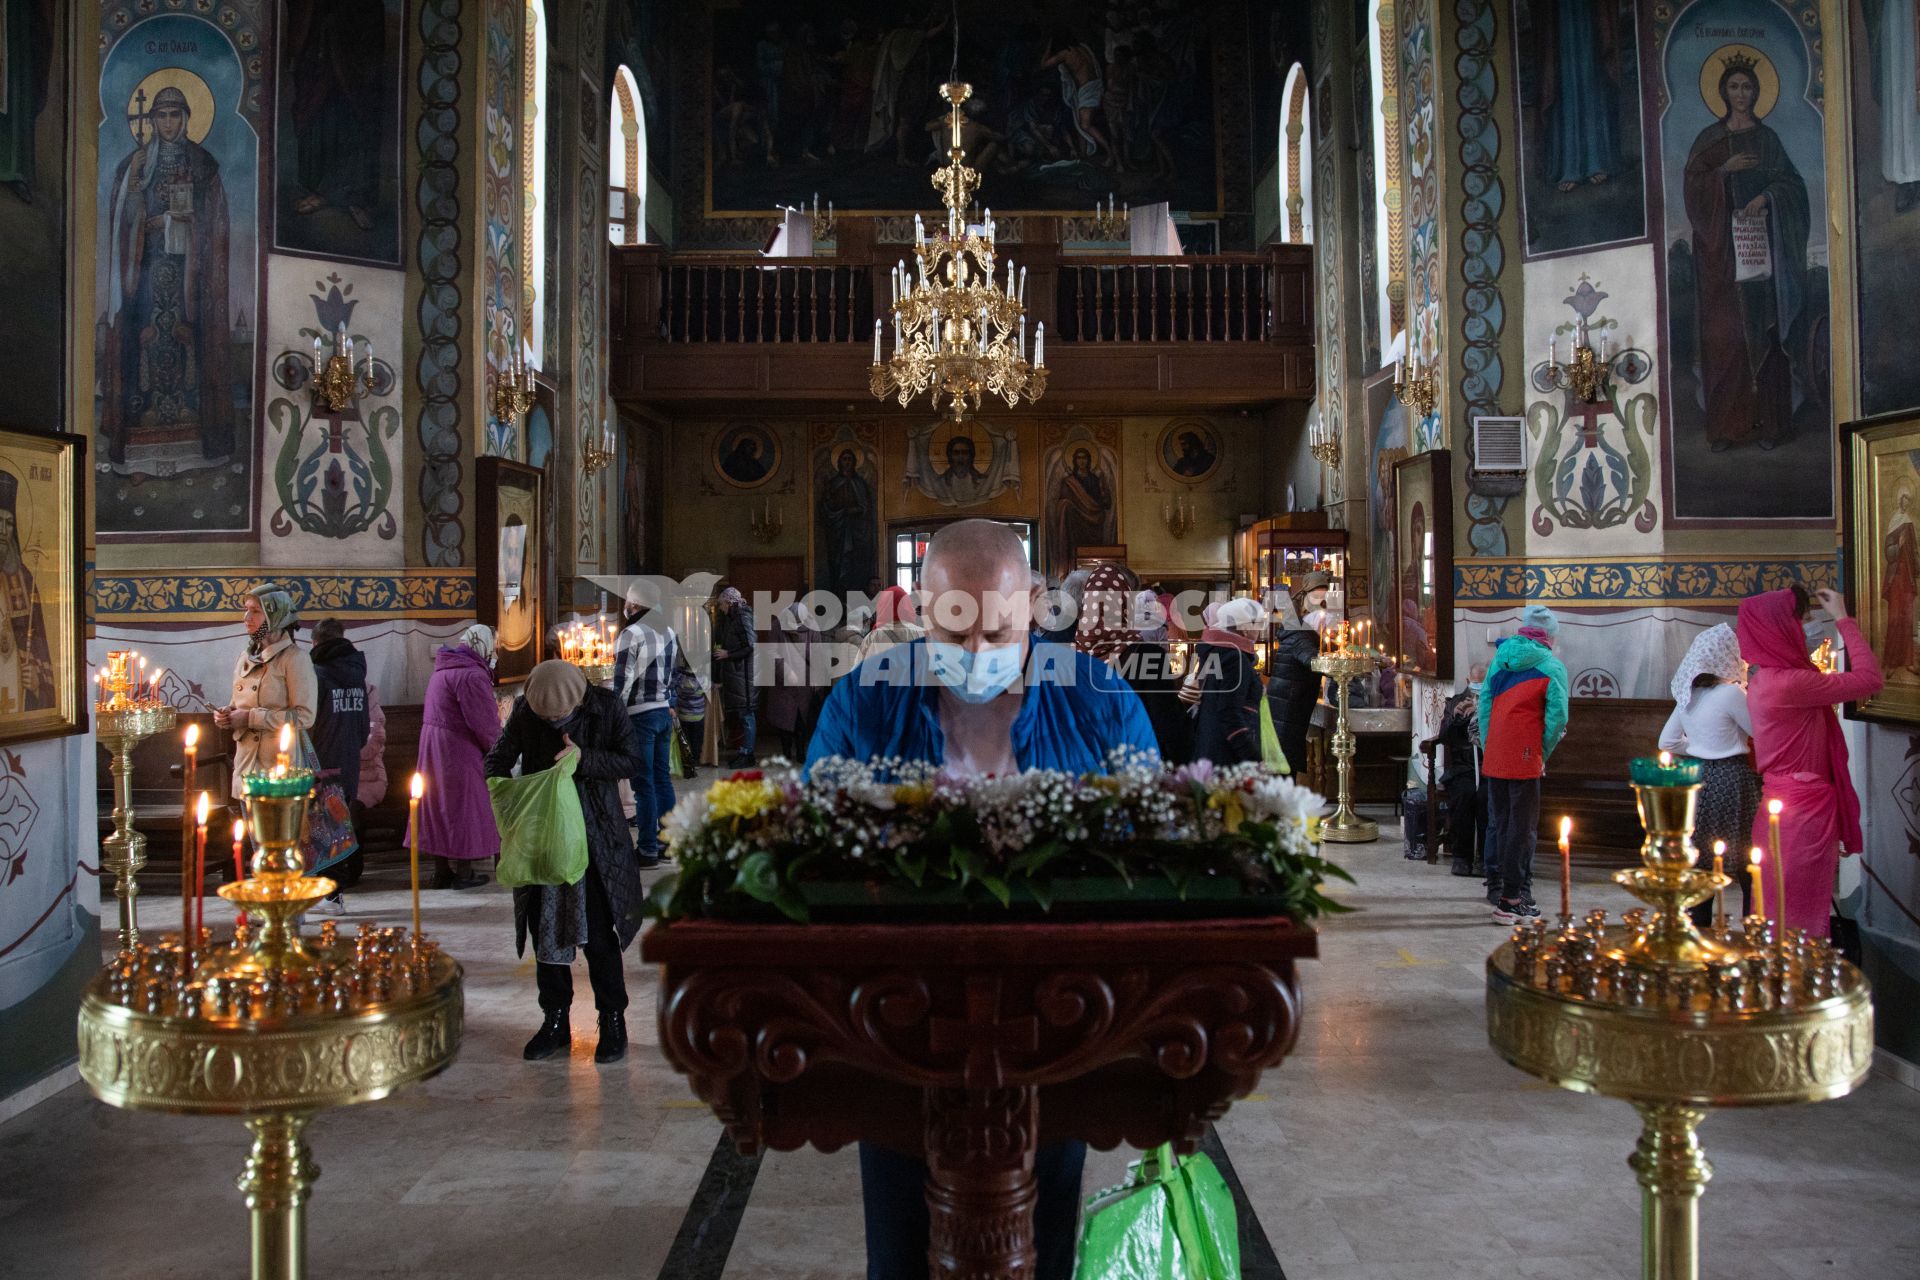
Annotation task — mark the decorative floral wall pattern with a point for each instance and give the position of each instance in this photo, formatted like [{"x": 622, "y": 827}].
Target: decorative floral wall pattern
[
  {"x": 437, "y": 370},
  {"x": 500, "y": 196},
  {"x": 1425, "y": 335}
]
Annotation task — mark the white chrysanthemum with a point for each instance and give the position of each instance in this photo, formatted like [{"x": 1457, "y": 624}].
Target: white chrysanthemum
[{"x": 685, "y": 821}]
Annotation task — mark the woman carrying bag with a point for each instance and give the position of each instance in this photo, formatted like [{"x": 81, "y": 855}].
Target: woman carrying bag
[{"x": 560, "y": 714}]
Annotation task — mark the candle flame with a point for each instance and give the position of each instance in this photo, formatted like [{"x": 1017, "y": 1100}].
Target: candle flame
[
  {"x": 239, "y": 830},
  {"x": 1566, "y": 828},
  {"x": 1719, "y": 848},
  {"x": 1666, "y": 759},
  {"x": 1774, "y": 807},
  {"x": 286, "y": 738},
  {"x": 419, "y": 787},
  {"x": 1757, "y": 856},
  {"x": 193, "y": 736},
  {"x": 200, "y": 809}
]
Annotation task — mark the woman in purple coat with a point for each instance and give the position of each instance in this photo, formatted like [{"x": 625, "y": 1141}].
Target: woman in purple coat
[{"x": 458, "y": 724}]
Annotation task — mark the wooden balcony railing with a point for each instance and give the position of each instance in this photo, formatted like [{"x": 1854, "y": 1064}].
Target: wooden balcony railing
[
  {"x": 730, "y": 300},
  {"x": 1226, "y": 298}
]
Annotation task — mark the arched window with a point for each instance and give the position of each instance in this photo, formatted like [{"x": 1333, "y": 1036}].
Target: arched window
[
  {"x": 1388, "y": 172},
  {"x": 1296, "y": 166},
  {"x": 533, "y": 183},
  {"x": 626, "y": 164}
]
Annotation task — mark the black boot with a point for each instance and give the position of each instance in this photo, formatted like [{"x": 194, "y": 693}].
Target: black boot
[
  {"x": 613, "y": 1038},
  {"x": 442, "y": 874},
  {"x": 554, "y": 1036},
  {"x": 465, "y": 877}
]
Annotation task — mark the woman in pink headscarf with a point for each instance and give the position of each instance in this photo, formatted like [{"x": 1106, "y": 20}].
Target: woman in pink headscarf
[{"x": 1799, "y": 748}]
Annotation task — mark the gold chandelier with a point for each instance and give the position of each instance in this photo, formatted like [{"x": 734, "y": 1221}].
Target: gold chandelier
[{"x": 955, "y": 333}]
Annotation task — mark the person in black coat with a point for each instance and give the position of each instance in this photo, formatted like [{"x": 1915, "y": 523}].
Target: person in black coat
[
  {"x": 340, "y": 723},
  {"x": 733, "y": 644},
  {"x": 1293, "y": 686},
  {"x": 1226, "y": 723},
  {"x": 599, "y": 913}
]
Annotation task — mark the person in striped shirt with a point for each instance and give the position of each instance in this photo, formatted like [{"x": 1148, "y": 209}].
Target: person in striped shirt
[{"x": 643, "y": 668}]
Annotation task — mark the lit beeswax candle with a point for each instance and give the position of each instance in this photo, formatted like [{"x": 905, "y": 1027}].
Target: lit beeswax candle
[{"x": 1759, "y": 891}]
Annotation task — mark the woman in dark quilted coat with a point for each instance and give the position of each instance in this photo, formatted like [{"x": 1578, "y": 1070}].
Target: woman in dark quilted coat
[{"x": 599, "y": 913}]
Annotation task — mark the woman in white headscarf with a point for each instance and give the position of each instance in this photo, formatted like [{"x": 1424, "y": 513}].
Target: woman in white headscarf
[
  {"x": 458, "y": 725},
  {"x": 1711, "y": 724}
]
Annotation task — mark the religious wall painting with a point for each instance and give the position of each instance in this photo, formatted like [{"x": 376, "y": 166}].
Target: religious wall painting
[
  {"x": 1069, "y": 104},
  {"x": 1582, "y": 171},
  {"x": 1189, "y": 450},
  {"x": 746, "y": 455},
  {"x": 1423, "y": 564},
  {"x": 1881, "y": 554},
  {"x": 846, "y": 505},
  {"x": 511, "y": 563},
  {"x": 1592, "y": 462},
  {"x": 33, "y": 213},
  {"x": 338, "y": 114},
  {"x": 179, "y": 287},
  {"x": 946, "y": 469},
  {"x": 1749, "y": 414},
  {"x": 41, "y": 520},
  {"x": 334, "y": 473},
  {"x": 1885, "y": 126},
  {"x": 1080, "y": 483},
  {"x": 1389, "y": 427}
]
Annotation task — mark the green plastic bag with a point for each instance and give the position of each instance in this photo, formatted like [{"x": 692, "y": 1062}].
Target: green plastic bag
[
  {"x": 1270, "y": 753},
  {"x": 677, "y": 752},
  {"x": 543, "y": 831},
  {"x": 1172, "y": 1220}
]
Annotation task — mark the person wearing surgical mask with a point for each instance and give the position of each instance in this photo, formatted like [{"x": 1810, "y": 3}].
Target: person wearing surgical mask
[{"x": 977, "y": 693}]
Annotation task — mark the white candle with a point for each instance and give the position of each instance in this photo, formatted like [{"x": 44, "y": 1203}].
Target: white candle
[
  {"x": 1023, "y": 286},
  {"x": 876, "y": 342},
  {"x": 1040, "y": 345}
]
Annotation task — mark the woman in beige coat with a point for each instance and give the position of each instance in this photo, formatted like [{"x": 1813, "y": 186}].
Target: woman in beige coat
[{"x": 273, "y": 685}]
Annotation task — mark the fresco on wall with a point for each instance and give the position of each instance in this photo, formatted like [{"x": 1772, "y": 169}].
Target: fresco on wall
[
  {"x": 1069, "y": 104},
  {"x": 1749, "y": 421},
  {"x": 33, "y": 203},
  {"x": 1080, "y": 479},
  {"x": 178, "y": 286},
  {"x": 1582, "y": 180},
  {"x": 1886, "y": 178},
  {"x": 337, "y": 119},
  {"x": 1388, "y": 427},
  {"x": 846, "y": 506},
  {"x": 944, "y": 470}
]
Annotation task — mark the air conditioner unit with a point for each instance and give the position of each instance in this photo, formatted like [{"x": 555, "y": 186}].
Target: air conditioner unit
[{"x": 1499, "y": 446}]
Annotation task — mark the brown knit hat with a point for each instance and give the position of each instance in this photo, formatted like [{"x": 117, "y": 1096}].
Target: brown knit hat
[{"x": 555, "y": 689}]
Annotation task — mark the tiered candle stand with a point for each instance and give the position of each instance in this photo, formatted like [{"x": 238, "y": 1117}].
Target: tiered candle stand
[
  {"x": 127, "y": 712},
  {"x": 1674, "y": 1021},
  {"x": 271, "y": 1026},
  {"x": 1343, "y": 667}
]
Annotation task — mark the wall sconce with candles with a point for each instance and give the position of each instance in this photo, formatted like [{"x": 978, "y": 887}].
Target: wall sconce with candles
[
  {"x": 336, "y": 384},
  {"x": 1419, "y": 390},
  {"x": 598, "y": 458},
  {"x": 1177, "y": 514},
  {"x": 1323, "y": 441},
  {"x": 823, "y": 227},
  {"x": 1109, "y": 224},
  {"x": 766, "y": 523},
  {"x": 512, "y": 392},
  {"x": 1585, "y": 373}
]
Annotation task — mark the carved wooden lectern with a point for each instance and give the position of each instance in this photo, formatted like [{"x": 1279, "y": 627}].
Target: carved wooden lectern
[{"x": 973, "y": 1044}]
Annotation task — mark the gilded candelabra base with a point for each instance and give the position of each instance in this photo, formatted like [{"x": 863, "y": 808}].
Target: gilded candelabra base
[
  {"x": 278, "y": 1175},
  {"x": 1650, "y": 1011},
  {"x": 1346, "y": 826},
  {"x": 124, "y": 852}
]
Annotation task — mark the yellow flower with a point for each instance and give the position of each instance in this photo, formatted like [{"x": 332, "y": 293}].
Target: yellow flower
[
  {"x": 1313, "y": 828},
  {"x": 1232, "y": 811},
  {"x": 731, "y": 798},
  {"x": 912, "y": 794}
]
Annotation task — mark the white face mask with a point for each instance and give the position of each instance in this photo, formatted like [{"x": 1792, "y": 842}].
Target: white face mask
[{"x": 975, "y": 677}]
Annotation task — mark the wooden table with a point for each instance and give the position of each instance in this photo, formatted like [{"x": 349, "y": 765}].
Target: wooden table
[{"x": 971, "y": 1045}]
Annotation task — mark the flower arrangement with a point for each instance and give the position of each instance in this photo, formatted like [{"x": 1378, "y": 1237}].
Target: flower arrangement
[{"x": 775, "y": 837}]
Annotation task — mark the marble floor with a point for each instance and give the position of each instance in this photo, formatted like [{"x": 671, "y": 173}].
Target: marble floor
[{"x": 1392, "y": 1146}]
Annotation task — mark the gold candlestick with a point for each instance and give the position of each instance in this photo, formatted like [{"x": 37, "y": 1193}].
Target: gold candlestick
[
  {"x": 1651, "y": 1012},
  {"x": 1343, "y": 667},
  {"x": 120, "y": 729}
]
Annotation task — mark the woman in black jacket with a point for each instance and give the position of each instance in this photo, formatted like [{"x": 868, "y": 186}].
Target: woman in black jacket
[
  {"x": 1226, "y": 724},
  {"x": 600, "y": 912},
  {"x": 1293, "y": 686}
]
